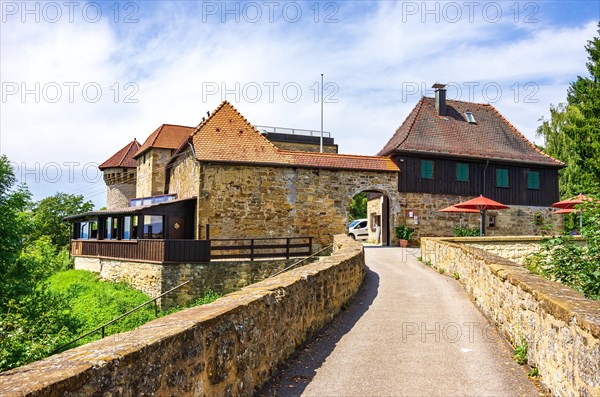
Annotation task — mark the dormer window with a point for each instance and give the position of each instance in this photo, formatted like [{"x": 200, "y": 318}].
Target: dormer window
[{"x": 470, "y": 118}]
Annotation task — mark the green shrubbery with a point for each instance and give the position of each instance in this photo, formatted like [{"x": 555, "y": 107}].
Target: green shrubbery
[
  {"x": 93, "y": 302},
  {"x": 43, "y": 305},
  {"x": 69, "y": 304},
  {"x": 576, "y": 265},
  {"x": 466, "y": 232}
]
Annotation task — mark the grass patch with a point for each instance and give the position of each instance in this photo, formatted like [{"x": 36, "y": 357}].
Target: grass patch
[
  {"x": 521, "y": 352},
  {"x": 93, "y": 302}
]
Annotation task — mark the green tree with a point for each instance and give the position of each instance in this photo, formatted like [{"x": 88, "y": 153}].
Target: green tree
[
  {"x": 32, "y": 321},
  {"x": 572, "y": 134},
  {"x": 358, "y": 206},
  {"x": 573, "y": 263},
  {"x": 47, "y": 217},
  {"x": 14, "y": 200}
]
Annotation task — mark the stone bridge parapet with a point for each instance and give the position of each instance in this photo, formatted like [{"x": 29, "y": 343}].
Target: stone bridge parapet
[
  {"x": 560, "y": 326},
  {"x": 230, "y": 347}
]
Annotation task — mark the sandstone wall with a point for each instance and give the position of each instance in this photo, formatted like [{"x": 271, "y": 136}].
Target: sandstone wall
[
  {"x": 151, "y": 172},
  {"x": 228, "y": 348},
  {"x": 220, "y": 277},
  {"x": 89, "y": 264},
  {"x": 120, "y": 186},
  {"x": 374, "y": 209},
  {"x": 117, "y": 196},
  {"x": 514, "y": 248},
  {"x": 518, "y": 220},
  {"x": 145, "y": 277},
  {"x": 184, "y": 178},
  {"x": 154, "y": 279},
  {"x": 252, "y": 201},
  {"x": 560, "y": 326}
]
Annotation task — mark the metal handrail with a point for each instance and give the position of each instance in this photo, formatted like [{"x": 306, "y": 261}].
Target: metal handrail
[
  {"x": 300, "y": 261},
  {"x": 103, "y": 326},
  {"x": 292, "y": 131}
]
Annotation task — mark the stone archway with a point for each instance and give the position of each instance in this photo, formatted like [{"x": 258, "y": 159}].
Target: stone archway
[
  {"x": 378, "y": 215},
  {"x": 258, "y": 201}
]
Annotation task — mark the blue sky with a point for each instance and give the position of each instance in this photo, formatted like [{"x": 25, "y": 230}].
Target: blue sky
[{"x": 80, "y": 81}]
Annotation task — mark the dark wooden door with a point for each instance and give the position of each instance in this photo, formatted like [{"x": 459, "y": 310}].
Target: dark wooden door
[{"x": 176, "y": 228}]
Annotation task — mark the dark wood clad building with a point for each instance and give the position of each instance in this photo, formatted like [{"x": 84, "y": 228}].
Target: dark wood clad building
[{"x": 462, "y": 148}]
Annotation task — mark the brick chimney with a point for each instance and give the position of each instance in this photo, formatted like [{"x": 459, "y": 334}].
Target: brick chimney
[{"x": 440, "y": 98}]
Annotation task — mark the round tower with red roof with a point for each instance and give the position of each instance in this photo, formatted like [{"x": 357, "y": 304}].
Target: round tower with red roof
[{"x": 119, "y": 173}]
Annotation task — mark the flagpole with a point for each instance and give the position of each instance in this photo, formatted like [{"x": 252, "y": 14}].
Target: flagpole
[{"x": 321, "y": 140}]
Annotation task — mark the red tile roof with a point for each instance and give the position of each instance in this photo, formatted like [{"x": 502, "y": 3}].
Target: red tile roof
[
  {"x": 226, "y": 136},
  {"x": 167, "y": 136},
  {"x": 492, "y": 137},
  {"x": 123, "y": 158}
]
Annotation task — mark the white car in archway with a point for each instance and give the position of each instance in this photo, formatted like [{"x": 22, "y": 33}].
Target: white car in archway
[{"x": 358, "y": 229}]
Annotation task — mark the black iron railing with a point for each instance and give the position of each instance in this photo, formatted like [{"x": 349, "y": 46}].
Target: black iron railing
[{"x": 102, "y": 328}]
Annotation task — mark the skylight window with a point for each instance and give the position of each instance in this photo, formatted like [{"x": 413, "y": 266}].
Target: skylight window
[{"x": 470, "y": 118}]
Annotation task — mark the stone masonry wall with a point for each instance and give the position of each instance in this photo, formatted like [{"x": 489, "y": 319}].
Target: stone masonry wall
[
  {"x": 143, "y": 187},
  {"x": 120, "y": 186},
  {"x": 518, "y": 220},
  {"x": 513, "y": 248},
  {"x": 230, "y": 347},
  {"x": 184, "y": 176},
  {"x": 154, "y": 279},
  {"x": 374, "y": 208},
  {"x": 252, "y": 201},
  {"x": 117, "y": 196},
  {"x": 221, "y": 277},
  {"x": 151, "y": 172},
  {"x": 560, "y": 326}
]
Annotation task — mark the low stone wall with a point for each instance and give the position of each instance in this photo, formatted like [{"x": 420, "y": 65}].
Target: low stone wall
[
  {"x": 154, "y": 279},
  {"x": 514, "y": 248},
  {"x": 561, "y": 327},
  {"x": 227, "y": 348}
]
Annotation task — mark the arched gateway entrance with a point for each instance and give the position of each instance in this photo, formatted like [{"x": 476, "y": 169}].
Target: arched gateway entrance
[{"x": 369, "y": 217}]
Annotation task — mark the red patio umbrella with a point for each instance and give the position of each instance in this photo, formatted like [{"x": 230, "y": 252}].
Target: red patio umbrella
[
  {"x": 453, "y": 209},
  {"x": 567, "y": 206},
  {"x": 481, "y": 204},
  {"x": 571, "y": 202},
  {"x": 564, "y": 211}
]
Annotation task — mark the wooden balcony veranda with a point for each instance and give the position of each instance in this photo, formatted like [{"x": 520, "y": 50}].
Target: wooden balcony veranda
[{"x": 192, "y": 251}]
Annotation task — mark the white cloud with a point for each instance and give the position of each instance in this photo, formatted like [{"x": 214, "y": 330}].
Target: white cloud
[{"x": 374, "y": 53}]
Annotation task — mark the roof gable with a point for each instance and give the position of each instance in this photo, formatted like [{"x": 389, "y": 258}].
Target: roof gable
[
  {"x": 226, "y": 136},
  {"x": 491, "y": 137},
  {"x": 167, "y": 136},
  {"x": 124, "y": 158}
]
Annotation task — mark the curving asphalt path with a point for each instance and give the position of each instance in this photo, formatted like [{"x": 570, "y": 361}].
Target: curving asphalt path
[{"x": 408, "y": 332}]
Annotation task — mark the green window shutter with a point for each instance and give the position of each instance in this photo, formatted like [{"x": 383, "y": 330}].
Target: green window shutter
[
  {"x": 462, "y": 172},
  {"x": 533, "y": 180},
  {"x": 427, "y": 169},
  {"x": 502, "y": 178}
]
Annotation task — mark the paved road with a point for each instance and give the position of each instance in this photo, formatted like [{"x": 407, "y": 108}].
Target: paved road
[{"x": 409, "y": 332}]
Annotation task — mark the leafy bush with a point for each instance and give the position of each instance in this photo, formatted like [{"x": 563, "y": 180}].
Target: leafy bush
[
  {"x": 32, "y": 327},
  {"x": 576, "y": 265},
  {"x": 466, "y": 232},
  {"x": 404, "y": 232}
]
